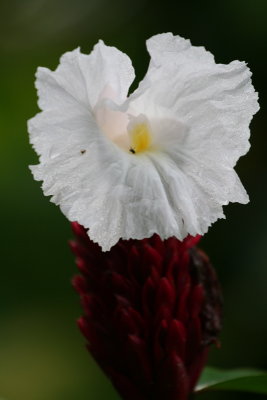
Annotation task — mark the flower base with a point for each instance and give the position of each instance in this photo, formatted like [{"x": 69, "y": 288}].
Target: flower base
[{"x": 151, "y": 310}]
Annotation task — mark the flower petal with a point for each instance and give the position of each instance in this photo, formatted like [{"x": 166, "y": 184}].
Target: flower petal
[
  {"x": 69, "y": 94},
  {"x": 215, "y": 101},
  {"x": 166, "y": 47},
  {"x": 110, "y": 192},
  {"x": 106, "y": 72},
  {"x": 201, "y": 112}
]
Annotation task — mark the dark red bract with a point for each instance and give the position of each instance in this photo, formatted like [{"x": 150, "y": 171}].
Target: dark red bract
[{"x": 151, "y": 310}]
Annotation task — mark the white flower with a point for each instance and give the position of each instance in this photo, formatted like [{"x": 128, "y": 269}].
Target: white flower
[{"x": 159, "y": 161}]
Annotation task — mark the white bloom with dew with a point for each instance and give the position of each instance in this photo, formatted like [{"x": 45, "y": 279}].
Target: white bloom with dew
[{"x": 159, "y": 161}]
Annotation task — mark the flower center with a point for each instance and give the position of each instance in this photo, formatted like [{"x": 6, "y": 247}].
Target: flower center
[{"x": 140, "y": 137}]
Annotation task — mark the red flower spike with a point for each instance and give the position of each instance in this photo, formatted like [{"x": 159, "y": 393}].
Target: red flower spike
[{"x": 151, "y": 310}]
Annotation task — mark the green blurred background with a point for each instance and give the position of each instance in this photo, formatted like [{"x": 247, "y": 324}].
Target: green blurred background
[{"x": 42, "y": 354}]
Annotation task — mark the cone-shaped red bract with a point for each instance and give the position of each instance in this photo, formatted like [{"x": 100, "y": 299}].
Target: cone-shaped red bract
[{"x": 151, "y": 310}]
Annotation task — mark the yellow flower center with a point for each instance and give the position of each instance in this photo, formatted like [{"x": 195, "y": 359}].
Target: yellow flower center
[{"x": 140, "y": 137}]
